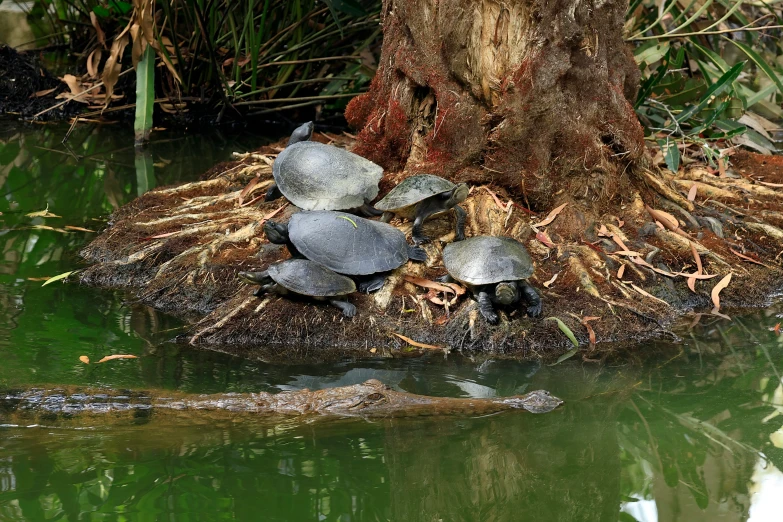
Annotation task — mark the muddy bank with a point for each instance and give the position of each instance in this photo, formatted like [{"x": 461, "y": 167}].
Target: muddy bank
[{"x": 179, "y": 249}]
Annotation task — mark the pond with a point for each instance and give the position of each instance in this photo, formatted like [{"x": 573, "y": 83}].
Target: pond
[{"x": 685, "y": 429}]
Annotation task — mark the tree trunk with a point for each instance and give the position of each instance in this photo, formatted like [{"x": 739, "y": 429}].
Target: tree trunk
[{"x": 533, "y": 95}]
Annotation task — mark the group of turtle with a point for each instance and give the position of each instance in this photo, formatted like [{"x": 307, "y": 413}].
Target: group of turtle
[{"x": 335, "y": 252}]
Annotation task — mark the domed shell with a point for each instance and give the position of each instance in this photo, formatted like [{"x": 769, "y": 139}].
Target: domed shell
[
  {"x": 346, "y": 243},
  {"x": 314, "y": 176},
  {"x": 309, "y": 278},
  {"x": 412, "y": 190},
  {"x": 484, "y": 260}
]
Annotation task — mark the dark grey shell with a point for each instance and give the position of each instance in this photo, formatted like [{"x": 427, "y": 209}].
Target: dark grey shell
[
  {"x": 484, "y": 260},
  {"x": 346, "y": 243},
  {"x": 314, "y": 176},
  {"x": 412, "y": 190},
  {"x": 309, "y": 278}
]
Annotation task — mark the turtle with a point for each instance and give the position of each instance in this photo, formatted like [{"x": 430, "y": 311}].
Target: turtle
[
  {"x": 305, "y": 278},
  {"x": 422, "y": 196},
  {"x": 495, "y": 269},
  {"x": 316, "y": 176},
  {"x": 346, "y": 244}
]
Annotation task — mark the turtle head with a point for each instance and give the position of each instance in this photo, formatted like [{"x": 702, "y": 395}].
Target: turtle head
[
  {"x": 507, "y": 292},
  {"x": 458, "y": 194},
  {"x": 302, "y": 133},
  {"x": 276, "y": 233}
]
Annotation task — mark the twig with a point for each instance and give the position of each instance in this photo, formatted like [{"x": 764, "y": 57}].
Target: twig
[{"x": 303, "y": 98}]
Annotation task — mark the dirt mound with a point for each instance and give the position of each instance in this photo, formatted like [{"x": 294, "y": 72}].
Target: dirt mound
[{"x": 27, "y": 88}]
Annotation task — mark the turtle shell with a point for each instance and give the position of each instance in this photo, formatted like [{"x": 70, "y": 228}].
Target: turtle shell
[
  {"x": 346, "y": 243},
  {"x": 309, "y": 278},
  {"x": 314, "y": 176},
  {"x": 484, "y": 260},
  {"x": 412, "y": 190}
]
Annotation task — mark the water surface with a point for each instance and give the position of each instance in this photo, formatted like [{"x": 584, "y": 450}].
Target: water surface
[{"x": 682, "y": 431}]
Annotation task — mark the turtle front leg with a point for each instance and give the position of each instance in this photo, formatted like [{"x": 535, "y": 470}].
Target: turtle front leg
[
  {"x": 417, "y": 254},
  {"x": 345, "y": 307},
  {"x": 372, "y": 283},
  {"x": 424, "y": 210},
  {"x": 386, "y": 217},
  {"x": 273, "y": 193},
  {"x": 368, "y": 210},
  {"x": 529, "y": 294},
  {"x": 486, "y": 308},
  {"x": 461, "y": 217}
]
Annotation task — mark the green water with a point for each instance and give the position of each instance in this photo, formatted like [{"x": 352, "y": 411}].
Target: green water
[{"x": 683, "y": 431}]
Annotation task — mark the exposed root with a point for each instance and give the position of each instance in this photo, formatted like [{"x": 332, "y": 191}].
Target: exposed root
[{"x": 181, "y": 248}]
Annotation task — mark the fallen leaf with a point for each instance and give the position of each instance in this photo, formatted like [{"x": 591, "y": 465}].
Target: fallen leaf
[
  {"x": 629, "y": 253},
  {"x": 248, "y": 188},
  {"x": 46, "y": 227},
  {"x": 620, "y": 223},
  {"x": 746, "y": 258},
  {"x": 723, "y": 283},
  {"x": 544, "y": 238},
  {"x": 373, "y": 350},
  {"x": 272, "y": 214},
  {"x": 692, "y": 192},
  {"x": 550, "y": 217},
  {"x": 73, "y": 84},
  {"x": 59, "y": 277},
  {"x": 721, "y": 168},
  {"x": 620, "y": 272},
  {"x": 166, "y": 234},
  {"x": 118, "y": 356},
  {"x": 666, "y": 219},
  {"x": 44, "y": 92},
  {"x": 78, "y": 229},
  {"x": 416, "y": 343},
  {"x": 84, "y": 359},
  {"x": 590, "y": 332},
  {"x": 497, "y": 200},
  {"x": 776, "y": 329},
  {"x": 697, "y": 258},
  {"x": 647, "y": 294},
  {"x": 442, "y": 287},
  {"x": 93, "y": 61},
  {"x": 565, "y": 329},
  {"x": 604, "y": 232},
  {"x": 37, "y": 278},
  {"x": 549, "y": 283},
  {"x": 773, "y": 185}
]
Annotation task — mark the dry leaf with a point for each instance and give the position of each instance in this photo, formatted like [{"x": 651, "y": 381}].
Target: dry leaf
[
  {"x": 272, "y": 214},
  {"x": 373, "y": 350},
  {"x": 544, "y": 238},
  {"x": 773, "y": 185},
  {"x": 604, "y": 232},
  {"x": 646, "y": 294},
  {"x": 723, "y": 283},
  {"x": 497, "y": 201},
  {"x": 112, "y": 357},
  {"x": 73, "y": 84},
  {"x": 42, "y": 213},
  {"x": 746, "y": 258},
  {"x": 776, "y": 329},
  {"x": 620, "y": 272},
  {"x": 93, "y": 61},
  {"x": 441, "y": 287},
  {"x": 692, "y": 192},
  {"x": 248, "y": 188},
  {"x": 44, "y": 92},
  {"x": 551, "y": 217},
  {"x": 721, "y": 168},
  {"x": 590, "y": 332},
  {"x": 416, "y": 343},
  {"x": 84, "y": 359},
  {"x": 549, "y": 283},
  {"x": 78, "y": 229},
  {"x": 629, "y": 253},
  {"x": 666, "y": 219},
  {"x": 97, "y": 26},
  {"x": 113, "y": 66},
  {"x": 167, "y": 234},
  {"x": 697, "y": 258}
]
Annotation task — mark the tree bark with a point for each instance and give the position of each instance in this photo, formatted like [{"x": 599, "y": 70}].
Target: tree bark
[{"x": 532, "y": 95}]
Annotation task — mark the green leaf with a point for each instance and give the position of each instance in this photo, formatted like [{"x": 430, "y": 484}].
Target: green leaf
[
  {"x": 565, "y": 329},
  {"x": 145, "y": 171},
  {"x": 349, "y": 219},
  {"x": 651, "y": 52},
  {"x": 760, "y": 62},
  {"x": 145, "y": 96},
  {"x": 570, "y": 353},
  {"x": 58, "y": 277},
  {"x": 723, "y": 83},
  {"x": 671, "y": 154}
]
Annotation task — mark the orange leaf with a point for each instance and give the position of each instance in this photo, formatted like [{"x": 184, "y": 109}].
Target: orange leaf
[
  {"x": 721, "y": 168},
  {"x": 551, "y": 217},
  {"x": 38, "y": 94},
  {"x": 416, "y": 343},
  {"x": 441, "y": 287},
  {"x": 112, "y": 357},
  {"x": 541, "y": 236},
  {"x": 646, "y": 294},
  {"x": 776, "y": 329},
  {"x": 629, "y": 253},
  {"x": 692, "y": 192},
  {"x": 697, "y": 258},
  {"x": 723, "y": 283},
  {"x": 666, "y": 219},
  {"x": 497, "y": 201},
  {"x": 620, "y": 272},
  {"x": 746, "y": 258},
  {"x": 97, "y": 26},
  {"x": 590, "y": 332},
  {"x": 551, "y": 281},
  {"x": 248, "y": 188},
  {"x": 84, "y": 359}
]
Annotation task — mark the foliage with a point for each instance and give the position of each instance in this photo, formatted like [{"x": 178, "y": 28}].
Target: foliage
[
  {"x": 252, "y": 55},
  {"x": 711, "y": 71}
]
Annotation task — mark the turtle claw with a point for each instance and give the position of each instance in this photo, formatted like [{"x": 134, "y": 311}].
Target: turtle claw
[
  {"x": 535, "y": 310},
  {"x": 421, "y": 239},
  {"x": 348, "y": 309}
]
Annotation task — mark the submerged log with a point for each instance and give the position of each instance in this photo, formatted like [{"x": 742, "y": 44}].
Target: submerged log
[{"x": 180, "y": 248}]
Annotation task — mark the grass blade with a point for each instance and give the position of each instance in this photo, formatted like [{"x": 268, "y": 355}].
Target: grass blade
[{"x": 145, "y": 96}]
